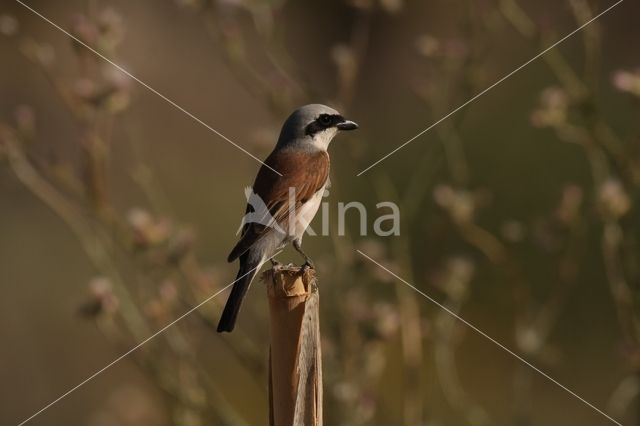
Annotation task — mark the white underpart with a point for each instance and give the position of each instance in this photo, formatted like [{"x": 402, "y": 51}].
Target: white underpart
[
  {"x": 274, "y": 240},
  {"x": 306, "y": 213}
]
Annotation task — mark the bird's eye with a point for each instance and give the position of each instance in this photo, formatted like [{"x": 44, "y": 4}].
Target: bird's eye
[{"x": 325, "y": 120}]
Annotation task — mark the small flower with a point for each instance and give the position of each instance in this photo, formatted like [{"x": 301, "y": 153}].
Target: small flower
[
  {"x": 459, "y": 273},
  {"x": 116, "y": 78},
  {"x": 101, "y": 300},
  {"x": 627, "y": 81},
  {"x": 160, "y": 308},
  {"x": 614, "y": 200},
  {"x": 117, "y": 102},
  {"x": 111, "y": 29},
  {"x": 147, "y": 230},
  {"x": 110, "y": 93},
  {"x": 459, "y": 204},
  {"x": 452, "y": 48},
  {"x": 553, "y": 108},
  {"x": 85, "y": 30},
  {"x": 138, "y": 218},
  {"x": 454, "y": 277},
  {"x": 528, "y": 340}
]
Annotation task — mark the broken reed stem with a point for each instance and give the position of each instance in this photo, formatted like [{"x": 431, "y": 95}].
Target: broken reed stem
[{"x": 295, "y": 361}]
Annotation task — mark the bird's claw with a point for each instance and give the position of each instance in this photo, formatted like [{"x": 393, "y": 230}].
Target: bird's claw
[{"x": 308, "y": 264}]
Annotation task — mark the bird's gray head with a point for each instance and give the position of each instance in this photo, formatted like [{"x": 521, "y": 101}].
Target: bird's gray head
[{"x": 312, "y": 127}]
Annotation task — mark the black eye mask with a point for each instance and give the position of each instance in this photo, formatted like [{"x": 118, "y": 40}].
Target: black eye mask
[{"x": 324, "y": 121}]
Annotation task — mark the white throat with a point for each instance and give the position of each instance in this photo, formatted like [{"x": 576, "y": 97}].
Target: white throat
[{"x": 322, "y": 139}]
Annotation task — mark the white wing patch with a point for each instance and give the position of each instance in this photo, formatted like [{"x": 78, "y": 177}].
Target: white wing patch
[{"x": 260, "y": 213}]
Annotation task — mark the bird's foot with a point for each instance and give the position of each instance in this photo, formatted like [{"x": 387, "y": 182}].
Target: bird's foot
[{"x": 308, "y": 264}]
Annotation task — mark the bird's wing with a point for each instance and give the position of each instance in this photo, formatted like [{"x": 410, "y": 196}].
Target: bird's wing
[{"x": 305, "y": 172}]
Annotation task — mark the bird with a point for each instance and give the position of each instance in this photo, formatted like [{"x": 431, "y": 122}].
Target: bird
[{"x": 288, "y": 187}]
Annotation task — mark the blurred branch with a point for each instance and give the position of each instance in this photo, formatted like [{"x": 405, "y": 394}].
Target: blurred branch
[
  {"x": 606, "y": 157},
  {"x": 92, "y": 245}
]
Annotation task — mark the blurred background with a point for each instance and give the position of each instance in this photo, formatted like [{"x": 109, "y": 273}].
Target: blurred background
[{"x": 520, "y": 212}]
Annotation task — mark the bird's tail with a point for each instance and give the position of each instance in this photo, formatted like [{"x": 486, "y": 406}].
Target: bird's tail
[{"x": 247, "y": 272}]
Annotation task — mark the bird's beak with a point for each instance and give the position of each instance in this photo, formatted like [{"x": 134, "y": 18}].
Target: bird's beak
[{"x": 347, "y": 125}]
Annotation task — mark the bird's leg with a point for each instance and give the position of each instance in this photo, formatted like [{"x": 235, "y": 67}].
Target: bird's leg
[
  {"x": 274, "y": 262},
  {"x": 308, "y": 263}
]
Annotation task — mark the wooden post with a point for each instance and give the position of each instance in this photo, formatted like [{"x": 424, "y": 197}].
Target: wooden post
[{"x": 295, "y": 361}]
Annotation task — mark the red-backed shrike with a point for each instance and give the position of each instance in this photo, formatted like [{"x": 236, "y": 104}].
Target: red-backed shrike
[{"x": 289, "y": 199}]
